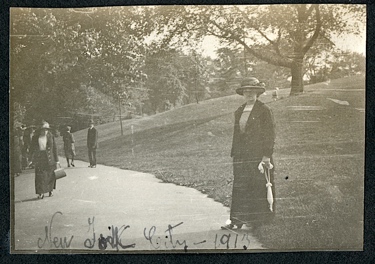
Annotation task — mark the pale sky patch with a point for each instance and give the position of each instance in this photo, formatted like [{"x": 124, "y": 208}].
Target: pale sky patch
[{"x": 347, "y": 42}]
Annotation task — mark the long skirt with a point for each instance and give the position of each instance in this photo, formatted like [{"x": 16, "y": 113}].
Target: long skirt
[
  {"x": 249, "y": 196},
  {"x": 69, "y": 150},
  {"x": 45, "y": 180}
]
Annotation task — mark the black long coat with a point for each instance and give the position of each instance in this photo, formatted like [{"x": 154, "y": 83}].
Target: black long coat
[
  {"x": 51, "y": 148},
  {"x": 45, "y": 163},
  {"x": 259, "y": 137},
  {"x": 249, "y": 195},
  {"x": 92, "y": 138}
]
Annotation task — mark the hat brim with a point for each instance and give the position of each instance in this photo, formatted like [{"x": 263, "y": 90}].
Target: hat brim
[
  {"x": 258, "y": 89},
  {"x": 45, "y": 127}
]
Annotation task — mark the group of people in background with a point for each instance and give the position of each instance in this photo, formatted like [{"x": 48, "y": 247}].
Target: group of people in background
[
  {"x": 21, "y": 146},
  {"x": 36, "y": 148}
]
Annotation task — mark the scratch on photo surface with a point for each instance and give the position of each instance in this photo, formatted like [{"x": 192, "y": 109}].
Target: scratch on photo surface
[{"x": 85, "y": 201}]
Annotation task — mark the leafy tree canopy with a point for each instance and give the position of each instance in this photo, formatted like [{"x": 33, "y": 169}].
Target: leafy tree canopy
[{"x": 278, "y": 34}]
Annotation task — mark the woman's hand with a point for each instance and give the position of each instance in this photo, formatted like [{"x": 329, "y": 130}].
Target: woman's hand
[{"x": 266, "y": 162}]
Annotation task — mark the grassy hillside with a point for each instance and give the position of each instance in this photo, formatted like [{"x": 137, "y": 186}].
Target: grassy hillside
[{"x": 319, "y": 156}]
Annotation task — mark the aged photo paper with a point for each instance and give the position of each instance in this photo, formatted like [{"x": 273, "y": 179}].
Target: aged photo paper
[{"x": 187, "y": 129}]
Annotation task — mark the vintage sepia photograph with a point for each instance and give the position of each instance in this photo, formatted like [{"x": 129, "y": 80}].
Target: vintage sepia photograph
[{"x": 187, "y": 128}]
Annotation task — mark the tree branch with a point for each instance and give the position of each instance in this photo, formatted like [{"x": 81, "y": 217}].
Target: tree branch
[
  {"x": 269, "y": 57},
  {"x": 311, "y": 8},
  {"x": 316, "y": 33},
  {"x": 275, "y": 44},
  {"x": 278, "y": 42},
  {"x": 227, "y": 32},
  {"x": 272, "y": 58}
]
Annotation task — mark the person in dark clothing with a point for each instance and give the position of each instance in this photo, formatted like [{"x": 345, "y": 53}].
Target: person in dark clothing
[
  {"x": 27, "y": 137},
  {"x": 92, "y": 143},
  {"x": 24, "y": 162},
  {"x": 17, "y": 152},
  {"x": 69, "y": 147},
  {"x": 252, "y": 149}
]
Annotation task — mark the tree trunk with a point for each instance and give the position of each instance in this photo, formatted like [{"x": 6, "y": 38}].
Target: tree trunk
[{"x": 297, "y": 77}]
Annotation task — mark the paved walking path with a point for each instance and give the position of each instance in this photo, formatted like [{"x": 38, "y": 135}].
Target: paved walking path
[{"x": 106, "y": 208}]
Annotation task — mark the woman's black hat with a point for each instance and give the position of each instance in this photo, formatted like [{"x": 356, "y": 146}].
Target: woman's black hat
[{"x": 251, "y": 83}]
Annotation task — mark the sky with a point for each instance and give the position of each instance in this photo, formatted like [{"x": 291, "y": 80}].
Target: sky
[
  {"x": 352, "y": 43},
  {"x": 348, "y": 42}
]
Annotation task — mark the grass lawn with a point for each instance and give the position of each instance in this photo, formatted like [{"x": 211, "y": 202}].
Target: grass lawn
[{"x": 319, "y": 156}]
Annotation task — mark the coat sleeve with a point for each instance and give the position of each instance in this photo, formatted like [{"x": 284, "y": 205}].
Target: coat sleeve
[
  {"x": 88, "y": 143},
  {"x": 235, "y": 135},
  {"x": 268, "y": 133},
  {"x": 233, "y": 142},
  {"x": 33, "y": 146},
  {"x": 96, "y": 138},
  {"x": 54, "y": 149}
]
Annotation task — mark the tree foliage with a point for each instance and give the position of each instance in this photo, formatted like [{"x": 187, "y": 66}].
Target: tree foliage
[
  {"x": 58, "y": 54},
  {"x": 174, "y": 78},
  {"x": 280, "y": 35}
]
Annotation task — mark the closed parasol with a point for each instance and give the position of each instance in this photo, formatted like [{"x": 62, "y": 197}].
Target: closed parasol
[{"x": 266, "y": 172}]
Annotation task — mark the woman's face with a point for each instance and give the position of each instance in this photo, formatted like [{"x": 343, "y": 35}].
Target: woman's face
[
  {"x": 250, "y": 95},
  {"x": 43, "y": 131}
]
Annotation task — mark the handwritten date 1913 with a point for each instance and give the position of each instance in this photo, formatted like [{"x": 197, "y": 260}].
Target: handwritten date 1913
[
  {"x": 168, "y": 241},
  {"x": 232, "y": 241}
]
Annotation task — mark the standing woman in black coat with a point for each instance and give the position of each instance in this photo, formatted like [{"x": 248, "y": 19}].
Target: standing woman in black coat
[
  {"x": 44, "y": 157},
  {"x": 252, "y": 147}
]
